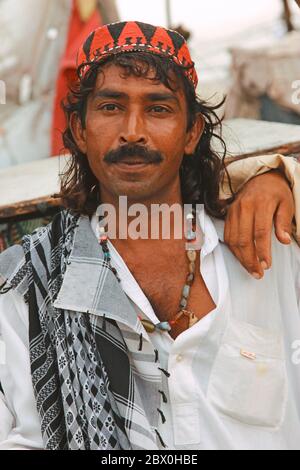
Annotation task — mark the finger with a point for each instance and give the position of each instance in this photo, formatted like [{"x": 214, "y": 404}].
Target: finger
[
  {"x": 283, "y": 222},
  {"x": 263, "y": 226},
  {"x": 240, "y": 238},
  {"x": 254, "y": 269},
  {"x": 246, "y": 243}
]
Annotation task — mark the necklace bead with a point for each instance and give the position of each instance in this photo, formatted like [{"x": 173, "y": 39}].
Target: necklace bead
[
  {"x": 186, "y": 291},
  {"x": 164, "y": 326},
  {"x": 192, "y": 255},
  {"x": 192, "y": 268},
  {"x": 191, "y": 235},
  {"x": 148, "y": 325}
]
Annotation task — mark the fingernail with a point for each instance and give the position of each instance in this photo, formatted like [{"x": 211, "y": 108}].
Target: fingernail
[
  {"x": 264, "y": 265},
  {"x": 287, "y": 236},
  {"x": 257, "y": 276}
]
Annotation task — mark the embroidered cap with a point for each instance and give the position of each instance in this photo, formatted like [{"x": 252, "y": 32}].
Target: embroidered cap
[{"x": 131, "y": 36}]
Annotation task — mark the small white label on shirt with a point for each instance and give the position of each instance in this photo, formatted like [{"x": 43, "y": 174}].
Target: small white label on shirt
[{"x": 248, "y": 355}]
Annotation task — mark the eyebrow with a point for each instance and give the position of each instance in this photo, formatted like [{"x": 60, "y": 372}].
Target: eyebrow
[
  {"x": 109, "y": 94},
  {"x": 162, "y": 97},
  {"x": 153, "y": 97}
]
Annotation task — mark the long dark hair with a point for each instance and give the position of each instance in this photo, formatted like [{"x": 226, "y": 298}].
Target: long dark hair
[{"x": 200, "y": 174}]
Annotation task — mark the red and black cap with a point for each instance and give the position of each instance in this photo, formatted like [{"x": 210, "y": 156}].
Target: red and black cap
[{"x": 134, "y": 36}]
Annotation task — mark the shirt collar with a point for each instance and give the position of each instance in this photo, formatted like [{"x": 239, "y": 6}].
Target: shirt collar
[
  {"x": 89, "y": 285},
  {"x": 212, "y": 230},
  {"x": 102, "y": 294}
]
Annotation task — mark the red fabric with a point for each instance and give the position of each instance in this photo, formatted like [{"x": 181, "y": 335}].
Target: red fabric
[
  {"x": 78, "y": 31},
  {"x": 129, "y": 36}
]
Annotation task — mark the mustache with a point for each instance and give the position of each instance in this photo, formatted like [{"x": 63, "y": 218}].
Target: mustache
[{"x": 127, "y": 151}]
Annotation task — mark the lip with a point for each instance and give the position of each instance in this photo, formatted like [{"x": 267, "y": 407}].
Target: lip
[{"x": 131, "y": 166}]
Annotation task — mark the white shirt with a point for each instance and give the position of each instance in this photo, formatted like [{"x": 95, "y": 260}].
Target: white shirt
[{"x": 197, "y": 416}]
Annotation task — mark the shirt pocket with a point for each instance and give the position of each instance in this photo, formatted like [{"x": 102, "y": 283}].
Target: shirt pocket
[{"x": 248, "y": 381}]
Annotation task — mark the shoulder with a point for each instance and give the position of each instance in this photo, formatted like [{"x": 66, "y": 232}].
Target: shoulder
[
  {"x": 50, "y": 235},
  {"x": 14, "y": 261},
  {"x": 61, "y": 223}
]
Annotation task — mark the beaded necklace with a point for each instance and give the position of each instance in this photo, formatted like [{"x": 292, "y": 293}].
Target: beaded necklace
[{"x": 191, "y": 253}]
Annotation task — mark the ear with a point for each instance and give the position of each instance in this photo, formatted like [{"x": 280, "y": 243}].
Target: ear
[
  {"x": 78, "y": 132},
  {"x": 194, "y": 135}
]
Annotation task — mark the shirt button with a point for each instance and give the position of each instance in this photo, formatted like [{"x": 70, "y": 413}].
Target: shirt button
[{"x": 179, "y": 358}]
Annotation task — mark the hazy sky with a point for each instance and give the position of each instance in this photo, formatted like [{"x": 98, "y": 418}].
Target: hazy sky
[
  {"x": 216, "y": 26},
  {"x": 206, "y": 18}
]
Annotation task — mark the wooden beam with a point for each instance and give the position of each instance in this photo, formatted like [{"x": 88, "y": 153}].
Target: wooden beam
[
  {"x": 168, "y": 13},
  {"x": 109, "y": 11},
  {"x": 288, "y": 16}
]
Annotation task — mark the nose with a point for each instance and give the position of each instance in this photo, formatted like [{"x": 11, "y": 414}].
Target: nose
[{"x": 133, "y": 131}]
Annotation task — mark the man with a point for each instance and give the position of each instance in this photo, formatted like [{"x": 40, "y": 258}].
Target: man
[{"x": 112, "y": 362}]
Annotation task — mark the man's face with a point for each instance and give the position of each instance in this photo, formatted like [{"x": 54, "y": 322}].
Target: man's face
[{"x": 135, "y": 135}]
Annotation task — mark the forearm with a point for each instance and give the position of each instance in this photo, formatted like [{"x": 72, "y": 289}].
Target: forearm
[{"x": 243, "y": 170}]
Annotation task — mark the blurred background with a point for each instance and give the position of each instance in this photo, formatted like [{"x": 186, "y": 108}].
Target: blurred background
[
  {"x": 249, "y": 51},
  {"x": 246, "y": 50}
]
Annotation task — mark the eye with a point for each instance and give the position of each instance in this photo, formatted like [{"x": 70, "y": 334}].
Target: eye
[
  {"x": 108, "y": 107},
  {"x": 159, "y": 109}
]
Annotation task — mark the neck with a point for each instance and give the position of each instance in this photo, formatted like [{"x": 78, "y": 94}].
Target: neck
[{"x": 145, "y": 221}]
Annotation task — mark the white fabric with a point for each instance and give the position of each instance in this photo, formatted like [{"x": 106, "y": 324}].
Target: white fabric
[
  {"x": 30, "y": 49},
  {"x": 33, "y": 39},
  {"x": 15, "y": 377},
  {"x": 263, "y": 411},
  {"x": 270, "y": 71}
]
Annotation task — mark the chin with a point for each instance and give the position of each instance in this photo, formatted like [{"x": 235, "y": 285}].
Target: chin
[{"x": 137, "y": 190}]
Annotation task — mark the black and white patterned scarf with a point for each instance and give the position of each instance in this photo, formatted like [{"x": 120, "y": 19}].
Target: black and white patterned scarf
[{"x": 82, "y": 377}]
